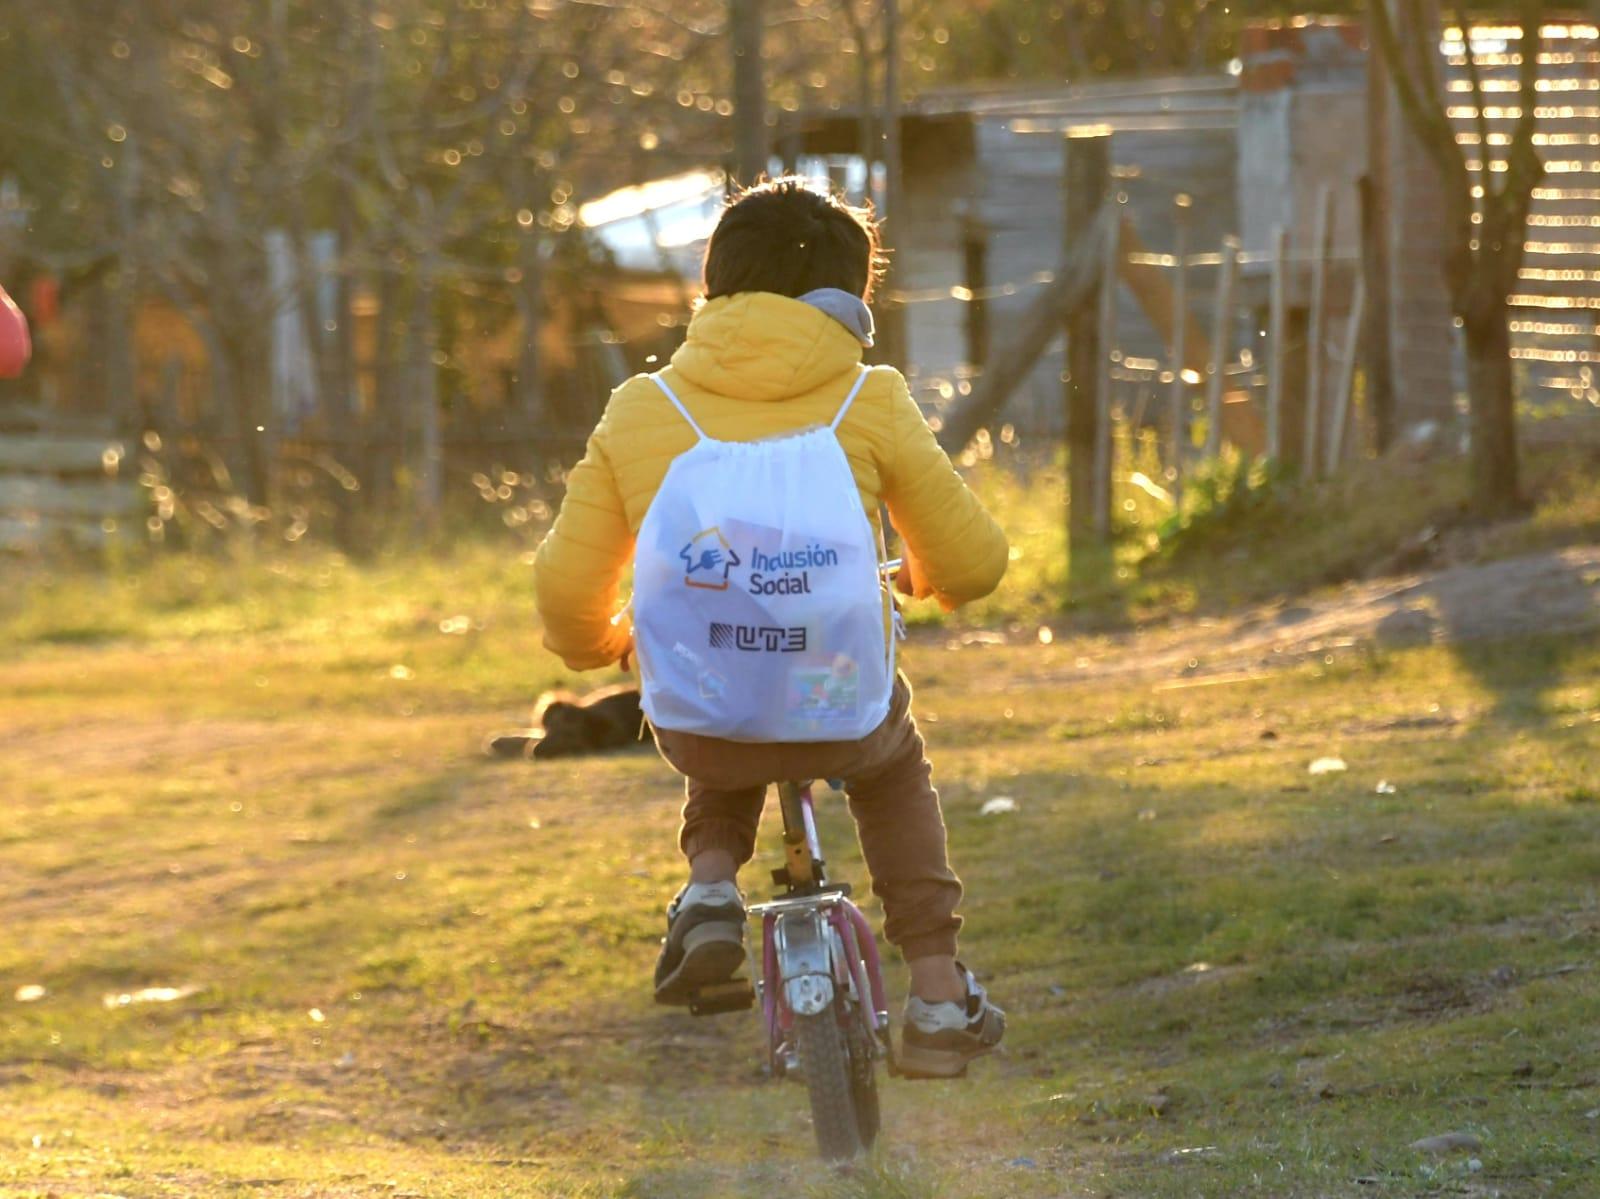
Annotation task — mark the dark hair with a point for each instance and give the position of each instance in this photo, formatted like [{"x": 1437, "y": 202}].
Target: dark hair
[{"x": 782, "y": 236}]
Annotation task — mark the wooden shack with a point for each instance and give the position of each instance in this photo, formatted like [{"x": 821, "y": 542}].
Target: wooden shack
[
  {"x": 1255, "y": 148},
  {"x": 987, "y": 163},
  {"x": 1303, "y": 150}
]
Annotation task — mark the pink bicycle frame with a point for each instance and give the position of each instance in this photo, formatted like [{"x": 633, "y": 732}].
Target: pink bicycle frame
[{"x": 861, "y": 971}]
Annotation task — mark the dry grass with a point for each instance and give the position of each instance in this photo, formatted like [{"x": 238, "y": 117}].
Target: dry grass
[{"x": 417, "y": 971}]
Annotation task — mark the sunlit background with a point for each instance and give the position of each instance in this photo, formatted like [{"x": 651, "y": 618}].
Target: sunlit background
[{"x": 1270, "y": 335}]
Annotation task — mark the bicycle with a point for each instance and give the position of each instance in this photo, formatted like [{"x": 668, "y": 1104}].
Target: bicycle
[
  {"x": 819, "y": 982},
  {"x": 823, "y": 1004}
]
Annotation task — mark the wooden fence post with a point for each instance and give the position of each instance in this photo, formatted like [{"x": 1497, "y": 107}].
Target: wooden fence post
[
  {"x": 1319, "y": 320},
  {"x": 975, "y": 271},
  {"x": 1179, "y": 433},
  {"x": 1103, "y": 446},
  {"x": 1276, "y": 320},
  {"x": 1028, "y": 334},
  {"x": 1347, "y": 374},
  {"x": 1221, "y": 344},
  {"x": 1086, "y": 173}
]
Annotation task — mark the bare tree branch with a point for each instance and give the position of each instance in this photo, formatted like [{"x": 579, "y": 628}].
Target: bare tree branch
[
  {"x": 1524, "y": 167},
  {"x": 1426, "y": 117},
  {"x": 861, "y": 32},
  {"x": 1532, "y": 17},
  {"x": 1475, "y": 77},
  {"x": 699, "y": 29}
]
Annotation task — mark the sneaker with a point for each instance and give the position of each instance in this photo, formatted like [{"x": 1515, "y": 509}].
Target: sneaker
[
  {"x": 704, "y": 944},
  {"x": 939, "y": 1039}
]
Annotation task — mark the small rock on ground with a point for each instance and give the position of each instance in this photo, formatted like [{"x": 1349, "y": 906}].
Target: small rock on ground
[{"x": 1447, "y": 1142}]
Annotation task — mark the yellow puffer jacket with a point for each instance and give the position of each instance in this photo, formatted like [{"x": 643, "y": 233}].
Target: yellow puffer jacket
[{"x": 754, "y": 365}]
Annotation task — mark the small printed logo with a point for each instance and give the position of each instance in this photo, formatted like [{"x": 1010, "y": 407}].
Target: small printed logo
[
  {"x": 826, "y": 693},
  {"x": 758, "y": 638},
  {"x": 707, "y": 559}
]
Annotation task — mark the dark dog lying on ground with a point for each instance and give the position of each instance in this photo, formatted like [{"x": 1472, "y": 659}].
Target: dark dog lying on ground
[{"x": 567, "y": 725}]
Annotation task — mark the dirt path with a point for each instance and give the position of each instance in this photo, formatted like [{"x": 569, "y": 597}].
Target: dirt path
[{"x": 1552, "y": 592}]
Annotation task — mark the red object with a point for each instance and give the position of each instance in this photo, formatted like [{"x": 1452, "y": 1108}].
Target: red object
[
  {"x": 1274, "y": 51},
  {"x": 44, "y": 300},
  {"x": 15, "y": 347}
]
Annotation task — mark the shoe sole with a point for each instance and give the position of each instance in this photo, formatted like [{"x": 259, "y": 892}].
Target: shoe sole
[
  {"x": 915, "y": 1063},
  {"x": 712, "y": 954}
]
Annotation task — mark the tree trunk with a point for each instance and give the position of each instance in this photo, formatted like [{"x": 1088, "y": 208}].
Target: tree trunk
[
  {"x": 1487, "y": 221},
  {"x": 245, "y": 430},
  {"x": 529, "y": 294},
  {"x": 868, "y": 125},
  {"x": 384, "y": 427},
  {"x": 891, "y": 317},
  {"x": 1377, "y": 353},
  {"x": 1493, "y": 414},
  {"x": 307, "y": 297},
  {"x": 249, "y": 374},
  {"x": 121, "y": 377},
  {"x": 1292, "y": 396},
  {"x": 342, "y": 398},
  {"x": 88, "y": 380},
  {"x": 749, "y": 93},
  {"x": 426, "y": 482}
]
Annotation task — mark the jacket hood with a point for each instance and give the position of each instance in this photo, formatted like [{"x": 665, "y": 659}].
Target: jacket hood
[
  {"x": 848, "y": 309},
  {"x": 757, "y": 345}
]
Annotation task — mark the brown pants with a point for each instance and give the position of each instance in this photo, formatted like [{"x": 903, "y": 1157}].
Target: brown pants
[{"x": 896, "y": 809}]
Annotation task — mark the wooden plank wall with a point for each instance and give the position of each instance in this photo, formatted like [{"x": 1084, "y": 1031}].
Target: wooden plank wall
[
  {"x": 62, "y": 482},
  {"x": 1169, "y": 135}
]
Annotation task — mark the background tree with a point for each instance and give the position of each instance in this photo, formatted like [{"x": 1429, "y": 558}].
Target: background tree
[
  {"x": 1487, "y": 218},
  {"x": 1036, "y": 39},
  {"x": 254, "y": 163},
  {"x": 444, "y": 142}
]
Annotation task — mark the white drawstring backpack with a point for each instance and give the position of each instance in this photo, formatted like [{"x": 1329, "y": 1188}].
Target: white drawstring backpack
[{"x": 758, "y": 605}]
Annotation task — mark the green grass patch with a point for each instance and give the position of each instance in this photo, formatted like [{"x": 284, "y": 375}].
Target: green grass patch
[{"x": 1244, "y": 534}]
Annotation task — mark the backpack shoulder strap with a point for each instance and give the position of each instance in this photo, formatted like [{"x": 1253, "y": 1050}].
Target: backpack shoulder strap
[
  {"x": 684, "y": 412},
  {"x": 855, "y": 390}
]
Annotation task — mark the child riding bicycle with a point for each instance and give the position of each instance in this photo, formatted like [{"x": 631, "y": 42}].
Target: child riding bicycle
[{"x": 746, "y": 480}]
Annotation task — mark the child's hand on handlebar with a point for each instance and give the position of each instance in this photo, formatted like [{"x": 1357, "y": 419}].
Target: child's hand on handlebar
[
  {"x": 909, "y": 579},
  {"x": 625, "y": 658}
]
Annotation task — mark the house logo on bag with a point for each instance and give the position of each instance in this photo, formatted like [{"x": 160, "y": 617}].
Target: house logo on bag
[{"x": 707, "y": 560}]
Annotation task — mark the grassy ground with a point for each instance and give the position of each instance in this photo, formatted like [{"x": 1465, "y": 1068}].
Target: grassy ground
[
  {"x": 396, "y": 967},
  {"x": 1230, "y": 545},
  {"x": 1236, "y": 544}
]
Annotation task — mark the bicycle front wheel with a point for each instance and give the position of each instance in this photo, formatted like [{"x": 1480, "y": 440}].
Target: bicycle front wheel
[
  {"x": 864, "y": 1085},
  {"x": 831, "y": 1083}
]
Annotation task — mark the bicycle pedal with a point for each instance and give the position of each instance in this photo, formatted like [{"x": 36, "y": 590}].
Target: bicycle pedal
[
  {"x": 736, "y": 995},
  {"x": 896, "y": 1070}
]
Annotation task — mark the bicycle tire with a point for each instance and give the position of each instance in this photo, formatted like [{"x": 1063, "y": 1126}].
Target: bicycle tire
[
  {"x": 864, "y": 1087},
  {"x": 825, "y": 1061}
]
